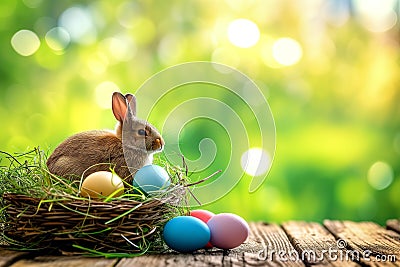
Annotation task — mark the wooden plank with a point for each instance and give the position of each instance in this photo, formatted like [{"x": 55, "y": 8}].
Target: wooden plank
[
  {"x": 375, "y": 245},
  {"x": 394, "y": 225},
  {"x": 315, "y": 245},
  {"x": 172, "y": 259},
  {"x": 269, "y": 246},
  {"x": 263, "y": 239},
  {"x": 63, "y": 261},
  {"x": 7, "y": 257}
]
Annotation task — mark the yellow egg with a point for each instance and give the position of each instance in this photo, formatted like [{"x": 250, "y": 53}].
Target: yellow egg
[{"x": 101, "y": 183}]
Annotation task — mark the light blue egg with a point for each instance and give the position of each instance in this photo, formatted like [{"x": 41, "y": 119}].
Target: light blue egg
[
  {"x": 151, "y": 179},
  {"x": 186, "y": 234}
]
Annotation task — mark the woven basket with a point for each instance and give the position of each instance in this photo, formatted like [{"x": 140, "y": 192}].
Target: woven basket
[{"x": 68, "y": 224}]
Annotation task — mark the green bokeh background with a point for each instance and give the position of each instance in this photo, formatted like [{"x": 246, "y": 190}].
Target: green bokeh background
[{"x": 337, "y": 110}]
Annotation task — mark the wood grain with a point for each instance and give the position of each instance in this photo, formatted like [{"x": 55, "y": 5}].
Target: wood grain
[
  {"x": 315, "y": 245},
  {"x": 294, "y": 243},
  {"x": 270, "y": 247},
  {"x": 373, "y": 242},
  {"x": 173, "y": 260},
  {"x": 394, "y": 225},
  {"x": 65, "y": 262},
  {"x": 7, "y": 257}
]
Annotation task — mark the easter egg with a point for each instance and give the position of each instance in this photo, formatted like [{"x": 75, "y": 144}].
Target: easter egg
[
  {"x": 151, "y": 179},
  {"x": 102, "y": 183},
  {"x": 228, "y": 230},
  {"x": 186, "y": 234},
  {"x": 205, "y": 216}
]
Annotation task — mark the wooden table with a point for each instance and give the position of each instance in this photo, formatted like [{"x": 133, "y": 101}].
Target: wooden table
[{"x": 294, "y": 243}]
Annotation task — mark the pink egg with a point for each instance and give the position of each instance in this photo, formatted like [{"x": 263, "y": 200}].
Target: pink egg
[
  {"x": 228, "y": 230},
  {"x": 205, "y": 216}
]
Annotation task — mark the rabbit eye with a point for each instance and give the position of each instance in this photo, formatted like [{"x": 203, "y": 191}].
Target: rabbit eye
[{"x": 142, "y": 132}]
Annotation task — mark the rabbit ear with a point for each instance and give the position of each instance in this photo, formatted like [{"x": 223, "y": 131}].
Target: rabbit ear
[
  {"x": 119, "y": 106},
  {"x": 131, "y": 99}
]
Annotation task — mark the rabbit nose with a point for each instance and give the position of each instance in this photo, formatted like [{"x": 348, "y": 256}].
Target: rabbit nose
[{"x": 158, "y": 143}]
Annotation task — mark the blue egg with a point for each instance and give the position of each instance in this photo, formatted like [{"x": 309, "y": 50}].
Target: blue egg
[
  {"x": 186, "y": 234},
  {"x": 151, "y": 179}
]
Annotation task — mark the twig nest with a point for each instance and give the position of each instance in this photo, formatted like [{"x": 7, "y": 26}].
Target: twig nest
[{"x": 43, "y": 211}]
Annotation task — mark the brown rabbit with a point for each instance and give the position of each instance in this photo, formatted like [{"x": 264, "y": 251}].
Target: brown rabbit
[{"x": 129, "y": 148}]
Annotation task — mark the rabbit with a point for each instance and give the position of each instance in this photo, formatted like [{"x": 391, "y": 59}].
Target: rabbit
[{"x": 127, "y": 149}]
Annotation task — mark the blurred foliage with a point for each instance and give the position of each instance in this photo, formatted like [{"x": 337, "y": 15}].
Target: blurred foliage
[{"x": 336, "y": 110}]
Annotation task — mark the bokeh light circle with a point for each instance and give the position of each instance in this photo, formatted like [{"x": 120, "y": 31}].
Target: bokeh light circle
[
  {"x": 57, "y": 38},
  {"x": 243, "y": 33},
  {"x": 287, "y": 51},
  {"x": 377, "y": 15},
  {"x": 79, "y": 24},
  {"x": 380, "y": 175},
  {"x": 255, "y": 161},
  {"x": 25, "y": 42}
]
